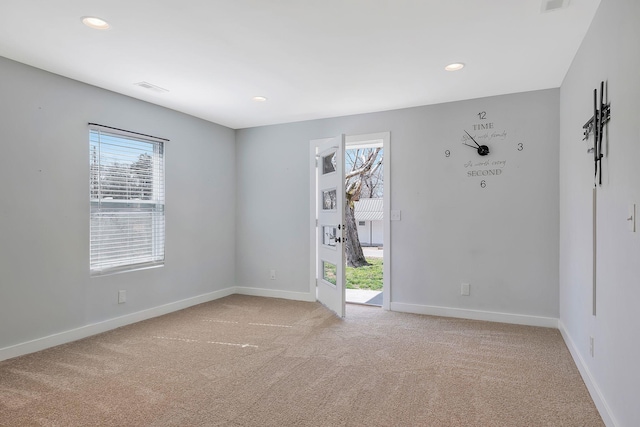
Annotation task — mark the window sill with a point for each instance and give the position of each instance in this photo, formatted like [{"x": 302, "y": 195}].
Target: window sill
[{"x": 125, "y": 269}]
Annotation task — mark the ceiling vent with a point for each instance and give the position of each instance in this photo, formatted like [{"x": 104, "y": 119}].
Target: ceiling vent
[
  {"x": 151, "y": 87},
  {"x": 552, "y": 5}
]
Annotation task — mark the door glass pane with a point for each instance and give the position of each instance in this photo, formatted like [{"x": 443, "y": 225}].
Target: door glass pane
[
  {"x": 329, "y": 163},
  {"x": 329, "y": 272},
  {"x": 329, "y": 200},
  {"x": 329, "y": 233}
]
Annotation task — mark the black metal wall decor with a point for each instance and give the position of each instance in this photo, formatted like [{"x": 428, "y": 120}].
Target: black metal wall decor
[{"x": 595, "y": 125}]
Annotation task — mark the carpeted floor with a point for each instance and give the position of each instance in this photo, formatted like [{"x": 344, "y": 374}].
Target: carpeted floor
[{"x": 249, "y": 361}]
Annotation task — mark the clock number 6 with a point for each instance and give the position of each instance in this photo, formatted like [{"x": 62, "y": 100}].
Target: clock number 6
[
  {"x": 447, "y": 153},
  {"x": 483, "y": 183},
  {"x": 520, "y": 146}
]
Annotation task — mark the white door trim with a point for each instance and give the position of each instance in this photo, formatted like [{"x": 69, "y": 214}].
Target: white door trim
[{"x": 313, "y": 190}]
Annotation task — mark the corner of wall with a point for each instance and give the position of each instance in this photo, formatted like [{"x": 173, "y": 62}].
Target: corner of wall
[{"x": 589, "y": 381}]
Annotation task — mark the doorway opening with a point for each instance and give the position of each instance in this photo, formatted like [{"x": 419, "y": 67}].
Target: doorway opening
[{"x": 366, "y": 158}]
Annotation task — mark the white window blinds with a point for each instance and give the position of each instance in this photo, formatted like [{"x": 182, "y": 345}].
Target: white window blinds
[{"x": 127, "y": 201}]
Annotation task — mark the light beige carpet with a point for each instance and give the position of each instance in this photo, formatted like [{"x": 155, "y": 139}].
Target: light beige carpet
[{"x": 249, "y": 361}]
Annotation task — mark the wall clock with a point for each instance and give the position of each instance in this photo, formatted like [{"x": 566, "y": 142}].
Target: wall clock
[{"x": 486, "y": 149}]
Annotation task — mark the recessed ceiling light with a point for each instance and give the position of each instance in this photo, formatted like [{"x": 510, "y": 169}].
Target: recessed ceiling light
[
  {"x": 455, "y": 66},
  {"x": 259, "y": 98},
  {"x": 97, "y": 23}
]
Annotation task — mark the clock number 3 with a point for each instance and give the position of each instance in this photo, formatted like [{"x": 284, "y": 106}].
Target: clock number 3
[
  {"x": 447, "y": 153},
  {"x": 483, "y": 183},
  {"x": 520, "y": 146}
]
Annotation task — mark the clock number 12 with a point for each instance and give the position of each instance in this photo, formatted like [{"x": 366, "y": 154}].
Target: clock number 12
[{"x": 482, "y": 115}]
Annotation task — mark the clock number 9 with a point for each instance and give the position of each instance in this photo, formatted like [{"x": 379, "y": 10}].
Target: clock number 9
[
  {"x": 483, "y": 183},
  {"x": 447, "y": 153},
  {"x": 520, "y": 146}
]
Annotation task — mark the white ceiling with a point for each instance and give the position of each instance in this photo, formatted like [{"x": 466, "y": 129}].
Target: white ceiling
[{"x": 310, "y": 58}]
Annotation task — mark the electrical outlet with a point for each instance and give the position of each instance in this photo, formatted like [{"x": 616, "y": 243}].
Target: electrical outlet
[
  {"x": 465, "y": 289},
  {"x": 122, "y": 297},
  {"x": 272, "y": 275},
  {"x": 591, "y": 346}
]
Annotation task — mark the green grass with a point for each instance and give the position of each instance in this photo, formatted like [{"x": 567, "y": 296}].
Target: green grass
[{"x": 367, "y": 277}]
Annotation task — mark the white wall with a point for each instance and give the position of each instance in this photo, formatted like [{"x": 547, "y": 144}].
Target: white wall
[
  {"x": 502, "y": 239},
  {"x": 371, "y": 233},
  {"x": 609, "y": 52},
  {"x": 45, "y": 287},
  {"x": 377, "y": 232}
]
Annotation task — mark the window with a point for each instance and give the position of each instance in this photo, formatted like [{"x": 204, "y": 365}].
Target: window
[
  {"x": 361, "y": 223},
  {"x": 126, "y": 192}
]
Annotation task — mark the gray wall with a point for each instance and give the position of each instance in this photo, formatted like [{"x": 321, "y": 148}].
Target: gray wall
[
  {"x": 609, "y": 52},
  {"x": 45, "y": 286},
  {"x": 503, "y": 239}
]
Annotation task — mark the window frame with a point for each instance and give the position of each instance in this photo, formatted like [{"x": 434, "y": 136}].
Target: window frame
[{"x": 132, "y": 216}]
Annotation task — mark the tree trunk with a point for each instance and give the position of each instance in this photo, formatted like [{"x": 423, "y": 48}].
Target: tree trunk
[
  {"x": 353, "y": 249},
  {"x": 353, "y": 188}
]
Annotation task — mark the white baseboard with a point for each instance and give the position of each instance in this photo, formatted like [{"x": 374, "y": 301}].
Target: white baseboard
[
  {"x": 592, "y": 386},
  {"x": 271, "y": 293},
  {"x": 517, "y": 319},
  {"x": 97, "y": 328}
]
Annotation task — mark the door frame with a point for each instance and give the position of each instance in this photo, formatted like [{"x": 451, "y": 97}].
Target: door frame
[{"x": 351, "y": 140}]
